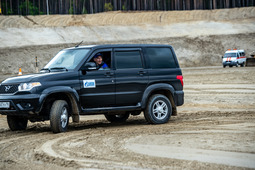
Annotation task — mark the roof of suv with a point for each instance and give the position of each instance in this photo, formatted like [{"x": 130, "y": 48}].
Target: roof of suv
[{"x": 121, "y": 46}]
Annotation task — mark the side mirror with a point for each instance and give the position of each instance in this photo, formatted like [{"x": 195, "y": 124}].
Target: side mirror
[{"x": 89, "y": 66}]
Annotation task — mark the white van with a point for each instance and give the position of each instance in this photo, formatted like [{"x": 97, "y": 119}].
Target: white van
[{"x": 234, "y": 58}]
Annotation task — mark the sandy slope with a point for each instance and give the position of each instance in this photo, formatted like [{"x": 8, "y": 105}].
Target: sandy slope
[
  {"x": 199, "y": 37},
  {"x": 122, "y": 26}
]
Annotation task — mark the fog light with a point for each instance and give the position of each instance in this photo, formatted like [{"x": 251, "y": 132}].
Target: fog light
[{"x": 27, "y": 106}]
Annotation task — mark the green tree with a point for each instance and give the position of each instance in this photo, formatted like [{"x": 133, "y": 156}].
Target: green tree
[{"x": 27, "y": 8}]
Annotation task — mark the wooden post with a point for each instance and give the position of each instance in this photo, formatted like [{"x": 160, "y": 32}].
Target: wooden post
[{"x": 36, "y": 65}]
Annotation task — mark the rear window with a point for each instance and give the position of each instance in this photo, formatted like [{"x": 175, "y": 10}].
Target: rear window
[{"x": 160, "y": 58}]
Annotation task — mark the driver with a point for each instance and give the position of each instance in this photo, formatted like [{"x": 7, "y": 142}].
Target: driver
[{"x": 98, "y": 59}]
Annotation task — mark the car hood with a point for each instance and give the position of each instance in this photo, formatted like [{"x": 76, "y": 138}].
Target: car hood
[{"x": 32, "y": 78}]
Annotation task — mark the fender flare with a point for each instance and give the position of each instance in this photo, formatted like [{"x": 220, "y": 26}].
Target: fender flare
[
  {"x": 70, "y": 92},
  {"x": 155, "y": 87}
]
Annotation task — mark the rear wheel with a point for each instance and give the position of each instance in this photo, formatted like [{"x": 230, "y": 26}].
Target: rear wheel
[
  {"x": 17, "y": 122},
  {"x": 59, "y": 116},
  {"x": 117, "y": 118},
  {"x": 242, "y": 64},
  {"x": 158, "y": 110}
]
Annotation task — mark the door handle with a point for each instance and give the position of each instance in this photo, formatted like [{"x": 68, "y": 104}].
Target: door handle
[
  {"x": 141, "y": 73},
  {"x": 109, "y": 74}
]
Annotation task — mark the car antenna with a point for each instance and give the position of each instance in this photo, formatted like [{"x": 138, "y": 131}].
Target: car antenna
[{"x": 78, "y": 44}]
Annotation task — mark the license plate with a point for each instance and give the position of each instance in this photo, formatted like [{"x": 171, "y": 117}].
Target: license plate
[{"x": 5, "y": 105}]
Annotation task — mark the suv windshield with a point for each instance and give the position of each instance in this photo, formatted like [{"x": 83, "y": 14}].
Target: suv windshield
[
  {"x": 67, "y": 59},
  {"x": 229, "y": 55}
]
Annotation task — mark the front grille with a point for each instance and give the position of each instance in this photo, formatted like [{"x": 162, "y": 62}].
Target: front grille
[{"x": 8, "y": 89}]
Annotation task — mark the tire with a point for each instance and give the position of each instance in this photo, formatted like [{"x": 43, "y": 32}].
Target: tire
[
  {"x": 224, "y": 66},
  {"x": 162, "y": 109},
  {"x": 17, "y": 122},
  {"x": 230, "y": 66},
  {"x": 59, "y": 117},
  {"x": 117, "y": 118},
  {"x": 242, "y": 64}
]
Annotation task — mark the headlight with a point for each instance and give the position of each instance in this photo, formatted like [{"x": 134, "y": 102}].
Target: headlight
[{"x": 28, "y": 86}]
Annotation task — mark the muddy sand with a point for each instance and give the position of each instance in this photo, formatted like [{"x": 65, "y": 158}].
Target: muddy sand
[{"x": 214, "y": 129}]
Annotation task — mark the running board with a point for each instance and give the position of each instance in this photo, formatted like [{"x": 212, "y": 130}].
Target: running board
[{"x": 110, "y": 109}]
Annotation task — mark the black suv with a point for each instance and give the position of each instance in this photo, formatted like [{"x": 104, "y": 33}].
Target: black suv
[{"x": 137, "y": 78}]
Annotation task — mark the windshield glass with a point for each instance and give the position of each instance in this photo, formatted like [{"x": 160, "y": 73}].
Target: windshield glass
[
  {"x": 68, "y": 59},
  {"x": 229, "y": 55}
]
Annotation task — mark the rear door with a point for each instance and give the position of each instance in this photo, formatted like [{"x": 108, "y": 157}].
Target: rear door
[
  {"x": 163, "y": 65},
  {"x": 131, "y": 76}
]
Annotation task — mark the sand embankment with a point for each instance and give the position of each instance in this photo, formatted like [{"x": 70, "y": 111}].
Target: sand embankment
[{"x": 199, "y": 37}]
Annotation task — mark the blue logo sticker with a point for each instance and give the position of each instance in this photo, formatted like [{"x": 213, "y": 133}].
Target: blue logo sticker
[{"x": 89, "y": 83}]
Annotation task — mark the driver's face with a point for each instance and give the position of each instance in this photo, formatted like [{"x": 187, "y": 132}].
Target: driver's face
[{"x": 98, "y": 60}]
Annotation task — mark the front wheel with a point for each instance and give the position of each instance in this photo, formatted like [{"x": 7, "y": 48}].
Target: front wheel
[
  {"x": 59, "y": 116},
  {"x": 158, "y": 110},
  {"x": 117, "y": 118},
  {"x": 17, "y": 122}
]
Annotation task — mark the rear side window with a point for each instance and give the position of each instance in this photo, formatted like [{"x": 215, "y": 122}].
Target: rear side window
[
  {"x": 160, "y": 58},
  {"x": 128, "y": 59}
]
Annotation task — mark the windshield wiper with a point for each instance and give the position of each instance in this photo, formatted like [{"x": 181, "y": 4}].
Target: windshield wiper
[
  {"x": 44, "y": 70},
  {"x": 58, "y": 68}
]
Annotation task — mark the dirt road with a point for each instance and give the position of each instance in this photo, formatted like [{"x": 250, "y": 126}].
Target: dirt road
[{"x": 214, "y": 129}]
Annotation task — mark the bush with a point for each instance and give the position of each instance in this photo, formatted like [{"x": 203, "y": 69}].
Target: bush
[{"x": 108, "y": 7}]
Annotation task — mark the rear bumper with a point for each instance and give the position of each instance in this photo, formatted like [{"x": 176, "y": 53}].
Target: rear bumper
[
  {"x": 179, "y": 98},
  {"x": 22, "y": 105}
]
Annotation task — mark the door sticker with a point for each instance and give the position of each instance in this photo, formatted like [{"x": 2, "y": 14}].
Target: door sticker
[{"x": 89, "y": 83}]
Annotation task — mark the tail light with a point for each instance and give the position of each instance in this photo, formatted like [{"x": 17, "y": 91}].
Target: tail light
[{"x": 180, "y": 77}]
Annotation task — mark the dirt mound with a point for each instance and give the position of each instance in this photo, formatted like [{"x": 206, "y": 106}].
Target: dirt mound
[
  {"x": 127, "y": 18},
  {"x": 199, "y": 37},
  {"x": 199, "y": 51}
]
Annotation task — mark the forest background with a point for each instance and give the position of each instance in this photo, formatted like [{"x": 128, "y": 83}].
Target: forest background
[{"x": 42, "y": 7}]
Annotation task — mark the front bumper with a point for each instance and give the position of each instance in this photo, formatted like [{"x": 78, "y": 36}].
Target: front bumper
[
  {"x": 22, "y": 105},
  {"x": 229, "y": 63}
]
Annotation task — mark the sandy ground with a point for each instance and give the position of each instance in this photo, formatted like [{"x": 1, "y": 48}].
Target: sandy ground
[{"x": 214, "y": 129}]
